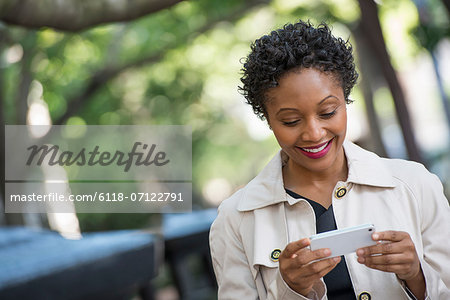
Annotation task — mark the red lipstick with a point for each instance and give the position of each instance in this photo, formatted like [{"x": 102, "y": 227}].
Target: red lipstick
[{"x": 318, "y": 154}]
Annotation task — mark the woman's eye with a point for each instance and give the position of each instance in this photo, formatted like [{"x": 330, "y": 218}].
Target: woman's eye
[
  {"x": 328, "y": 115},
  {"x": 290, "y": 123}
]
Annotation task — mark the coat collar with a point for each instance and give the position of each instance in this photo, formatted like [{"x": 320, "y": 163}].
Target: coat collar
[
  {"x": 367, "y": 168},
  {"x": 267, "y": 188}
]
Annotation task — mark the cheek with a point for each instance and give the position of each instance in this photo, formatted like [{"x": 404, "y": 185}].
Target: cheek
[
  {"x": 341, "y": 123},
  {"x": 344, "y": 125},
  {"x": 284, "y": 136}
]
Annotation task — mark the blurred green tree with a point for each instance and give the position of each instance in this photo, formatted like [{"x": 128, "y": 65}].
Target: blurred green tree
[
  {"x": 125, "y": 73},
  {"x": 179, "y": 64}
]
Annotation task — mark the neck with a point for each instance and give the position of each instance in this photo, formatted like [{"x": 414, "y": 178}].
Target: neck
[{"x": 296, "y": 175}]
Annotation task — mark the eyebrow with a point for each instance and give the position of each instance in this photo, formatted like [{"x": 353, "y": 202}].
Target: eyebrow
[
  {"x": 321, "y": 101},
  {"x": 326, "y": 98}
]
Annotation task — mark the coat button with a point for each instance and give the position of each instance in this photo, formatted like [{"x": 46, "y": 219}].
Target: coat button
[
  {"x": 275, "y": 255},
  {"x": 364, "y": 296},
  {"x": 341, "y": 192}
]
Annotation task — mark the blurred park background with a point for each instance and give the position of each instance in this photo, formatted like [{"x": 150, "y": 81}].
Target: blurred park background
[{"x": 119, "y": 62}]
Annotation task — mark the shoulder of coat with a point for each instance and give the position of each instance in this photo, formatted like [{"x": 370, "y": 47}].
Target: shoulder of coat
[
  {"x": 412, "y": 173},
  {"x": 229, "y": 207}
]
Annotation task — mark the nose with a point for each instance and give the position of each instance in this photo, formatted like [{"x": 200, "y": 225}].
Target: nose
[{"x": 313, "y": 131}]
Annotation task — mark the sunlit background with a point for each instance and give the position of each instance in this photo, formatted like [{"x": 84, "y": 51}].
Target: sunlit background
[{"x": 182, "y": 66}]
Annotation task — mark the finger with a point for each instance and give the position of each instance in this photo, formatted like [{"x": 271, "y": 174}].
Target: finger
[
  {"x": 390, "y": 259},
  {"x": 381, "y": 248},
  {"x": 320, "y": 268},
  {"x": 302, "y": 258},
  {"x": 317, "y": 276},
  {"x": 391, "y": 235},
  {"x": 306, "y": 256},
  {"x": 397, "y": 269},
  {"x": 310, "y": 273},
  {"x": 294, "y": 247}
]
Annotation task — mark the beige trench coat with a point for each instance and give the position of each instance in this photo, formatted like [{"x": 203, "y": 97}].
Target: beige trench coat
[{"x": 390, "y": 193}]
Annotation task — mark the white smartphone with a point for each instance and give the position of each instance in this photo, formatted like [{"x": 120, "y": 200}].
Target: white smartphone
[{"x": 344, "y": 241}]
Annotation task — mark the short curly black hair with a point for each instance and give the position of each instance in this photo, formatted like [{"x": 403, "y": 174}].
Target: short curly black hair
[{"x": 295, "y": 46}]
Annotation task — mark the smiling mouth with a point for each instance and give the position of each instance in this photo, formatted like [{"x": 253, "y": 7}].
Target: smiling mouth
[
  {"x": 317, "y": 151},
  {"x": 316, "y": 148}
]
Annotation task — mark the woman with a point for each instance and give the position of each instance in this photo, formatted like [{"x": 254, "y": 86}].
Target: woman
[{"x": 299, "y": 78}]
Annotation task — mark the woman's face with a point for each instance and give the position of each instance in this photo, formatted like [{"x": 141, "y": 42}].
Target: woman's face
[{"x": 308, "y": 115}]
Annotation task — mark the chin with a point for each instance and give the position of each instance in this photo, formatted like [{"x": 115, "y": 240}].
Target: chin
[{"x": 318, "y": 166}]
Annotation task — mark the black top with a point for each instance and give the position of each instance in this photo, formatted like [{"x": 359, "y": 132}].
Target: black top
[{"x": 338, "y": 282}]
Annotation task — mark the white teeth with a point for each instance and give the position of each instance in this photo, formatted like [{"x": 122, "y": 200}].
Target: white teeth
[{"x": 316, "y": 149}]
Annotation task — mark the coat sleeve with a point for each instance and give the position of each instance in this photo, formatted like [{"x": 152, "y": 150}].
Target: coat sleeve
[
  {"x": 435, "y": 229},
  {"x": 234, "y": 276},
  {"x": 232, "y": 270}
]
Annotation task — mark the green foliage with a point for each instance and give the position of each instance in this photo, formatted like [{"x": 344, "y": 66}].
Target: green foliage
[
  {"x": 434, "y": 24},
  {"x": 177, "y": 66}
]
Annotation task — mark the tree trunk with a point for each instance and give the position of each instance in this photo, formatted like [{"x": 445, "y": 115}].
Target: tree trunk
[
  {"x": 444, "y": 99},
  {"x": 369, "y": 74},
  {"x": 76, "y": 15},
  {"x": 426, "y": 20},
  {"x": 372, "y": 28}
]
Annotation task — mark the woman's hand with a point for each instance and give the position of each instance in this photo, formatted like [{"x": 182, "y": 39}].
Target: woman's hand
[
  {"x": 394, "y": 253},
  {"x": 298, "y": 269},
  {"x": 397, "y": 254}
]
